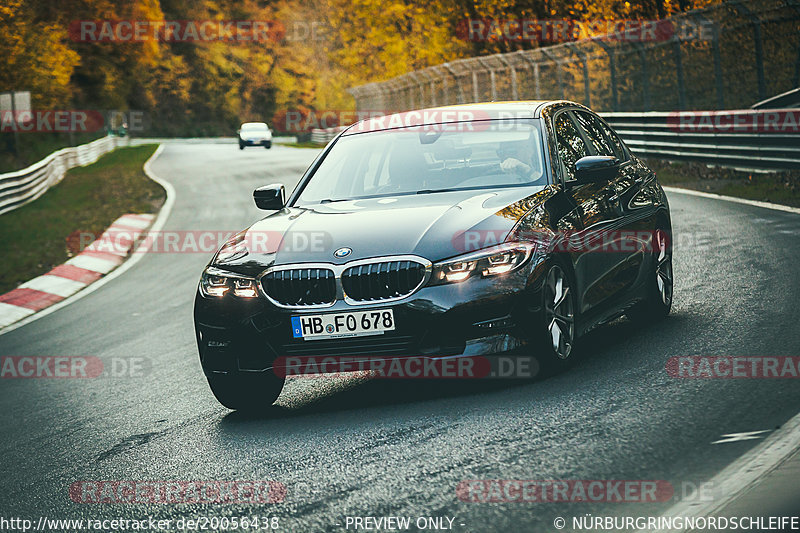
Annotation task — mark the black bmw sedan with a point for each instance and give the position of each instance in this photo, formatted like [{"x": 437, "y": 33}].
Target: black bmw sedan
[{"x": 453, "y": 232}]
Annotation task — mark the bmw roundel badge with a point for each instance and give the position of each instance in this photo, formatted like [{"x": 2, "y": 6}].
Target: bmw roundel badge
[{"x": 342, "y": 252}]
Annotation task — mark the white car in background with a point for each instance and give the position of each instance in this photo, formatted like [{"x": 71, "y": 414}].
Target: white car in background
[{"x": 254, "y": 134}]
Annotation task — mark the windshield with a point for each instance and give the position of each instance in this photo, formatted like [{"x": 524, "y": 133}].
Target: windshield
[{"x": 477, "y": 155}]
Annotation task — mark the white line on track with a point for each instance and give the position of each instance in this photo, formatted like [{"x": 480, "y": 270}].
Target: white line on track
[{"x": 756, "y": 203}]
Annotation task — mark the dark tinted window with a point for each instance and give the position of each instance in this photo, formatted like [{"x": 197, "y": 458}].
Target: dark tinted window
[
  {"x": 600, "y": 144},
  {"x": 570, "y": 144},
  {"x": 619, "y": 149}
]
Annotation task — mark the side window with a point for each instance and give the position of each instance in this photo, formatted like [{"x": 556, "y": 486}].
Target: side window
[
  {"x": 616, "y": 143},
  {"x": 599, "y": 142},
  {"x": 571, "y": 146}
]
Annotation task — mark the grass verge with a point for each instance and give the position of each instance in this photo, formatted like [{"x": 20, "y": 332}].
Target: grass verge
[
  {"x": 89, "y": 198},
  {"x": 776, "y": 187},
  {"x": 307, "y": 144}
]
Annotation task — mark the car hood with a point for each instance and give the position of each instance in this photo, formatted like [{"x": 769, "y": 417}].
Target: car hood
[{"x": 434, "y": 226}]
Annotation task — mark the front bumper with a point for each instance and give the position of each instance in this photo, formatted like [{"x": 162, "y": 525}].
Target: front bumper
[{"x": 472, "y": 318}]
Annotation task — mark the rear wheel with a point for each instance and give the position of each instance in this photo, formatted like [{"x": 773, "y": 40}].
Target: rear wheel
[
  {"x": 241, "y": 147},
  {"x": 658, "y": 301},
  {"x": 268, "y": 145},
  {"x": 245, "y": 391}
]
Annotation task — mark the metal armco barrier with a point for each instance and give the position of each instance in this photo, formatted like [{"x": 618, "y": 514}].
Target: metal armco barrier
[
  {"x": 763, "y": 140},
  {"x": 324, "y": 136},
  {"x": 23, "y": 186}
]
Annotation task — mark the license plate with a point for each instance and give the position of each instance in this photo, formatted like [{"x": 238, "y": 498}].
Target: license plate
[{"x": 336, "y": 325}]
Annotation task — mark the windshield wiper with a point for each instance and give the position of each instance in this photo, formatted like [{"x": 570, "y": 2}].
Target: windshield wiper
[
  {"x": 329, "y": 200},
  {"x": 429, "y": 191}
]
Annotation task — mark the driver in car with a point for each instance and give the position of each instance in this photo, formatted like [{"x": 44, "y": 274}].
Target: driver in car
[{"x": 518, "y": 158}]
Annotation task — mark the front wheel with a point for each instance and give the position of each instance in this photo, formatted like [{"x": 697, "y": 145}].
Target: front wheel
[
  {"x": 245, "y": 391},
  {"x": 268, "y": 145},
  {"x": 557, "y": 326}
]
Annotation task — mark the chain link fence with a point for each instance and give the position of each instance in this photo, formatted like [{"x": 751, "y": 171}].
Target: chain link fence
[{"x": 748, "y": 51}]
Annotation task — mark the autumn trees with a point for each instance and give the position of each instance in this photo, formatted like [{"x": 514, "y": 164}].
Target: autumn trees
[{"x": 206, "y": 87}]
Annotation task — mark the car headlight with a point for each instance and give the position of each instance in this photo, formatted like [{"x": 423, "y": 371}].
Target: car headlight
[
  {"x": 217, "y": 283},
  {"x": 493, "y": 261}
]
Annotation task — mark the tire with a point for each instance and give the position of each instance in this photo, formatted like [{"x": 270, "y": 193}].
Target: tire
[
  {"x": 658, "y": 299},
  {"x": 268, "y": 145},
  {"x": 245, "y": 391},
  {"x": 241, "y": 147},
  {"x": 556, "y": 322}
]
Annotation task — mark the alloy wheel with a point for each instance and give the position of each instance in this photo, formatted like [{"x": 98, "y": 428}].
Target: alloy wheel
[{"x": 559, "y": 312}]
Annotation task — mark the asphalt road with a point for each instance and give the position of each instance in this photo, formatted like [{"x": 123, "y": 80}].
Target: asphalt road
[{"x": 355, "y": 447}]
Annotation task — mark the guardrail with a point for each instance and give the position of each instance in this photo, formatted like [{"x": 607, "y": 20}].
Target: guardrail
[
  {"x": 746, "y": 139},
  {"x": 324, "y": 136},
  {"x": 22, "y": 186}
]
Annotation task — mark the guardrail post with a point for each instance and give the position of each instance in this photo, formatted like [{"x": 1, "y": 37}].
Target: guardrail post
[
  {"x": 494, "y": 84},
  {"x": 475, "y": 97}
]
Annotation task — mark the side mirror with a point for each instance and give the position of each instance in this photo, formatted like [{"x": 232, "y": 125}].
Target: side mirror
[
  {"x": 594, "y": 168},
  {"x": 270, "y": 197},
  {"x": 238, "y": 132}
]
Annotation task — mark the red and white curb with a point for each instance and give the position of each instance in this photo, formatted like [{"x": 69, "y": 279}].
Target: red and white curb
[{"x": 80, "y": 271}]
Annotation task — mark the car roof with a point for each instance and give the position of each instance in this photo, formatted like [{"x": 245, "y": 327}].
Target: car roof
[
  {"x": 453, "y": 113},
  {"x": 253, "y": 124}
]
